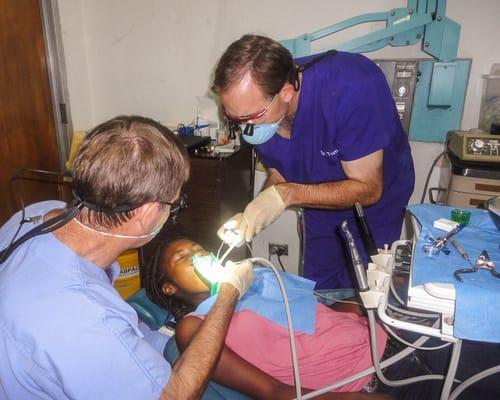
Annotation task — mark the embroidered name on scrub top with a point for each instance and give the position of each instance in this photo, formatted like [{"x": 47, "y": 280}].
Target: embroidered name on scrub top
[{"x": 328, "y": 153}]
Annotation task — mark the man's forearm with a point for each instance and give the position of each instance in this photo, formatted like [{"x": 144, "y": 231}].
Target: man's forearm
[
  {"x": 192, "y": 371},
  {"x": 273, "y": 178},
  {"x": 330, "y": 195}
]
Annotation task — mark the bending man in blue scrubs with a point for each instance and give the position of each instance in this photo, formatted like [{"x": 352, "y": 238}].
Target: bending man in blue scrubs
[
  {"x": 327, "y": 130},
  {"x": 65, "y": 333}
]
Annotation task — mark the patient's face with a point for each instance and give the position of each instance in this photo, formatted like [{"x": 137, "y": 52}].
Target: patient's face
[{"x": 178, "y": 266}]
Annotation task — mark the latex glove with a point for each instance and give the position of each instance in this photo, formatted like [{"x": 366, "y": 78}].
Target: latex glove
[
  {"x": 230, "y": 233},
  {"x": 261, "y": 212},
  {"x": 239, "y": 274}
]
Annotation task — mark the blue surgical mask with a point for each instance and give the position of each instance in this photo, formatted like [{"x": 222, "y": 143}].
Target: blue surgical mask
[{"x": 261, "y": 132}]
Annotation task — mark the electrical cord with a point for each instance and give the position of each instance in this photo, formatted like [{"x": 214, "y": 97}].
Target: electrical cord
[
  {"x": 4, "y": 253},
  {"x": 45, "y": 227},
  {"x": 429, "y": 174},
  {"x": 21, "y": 223},
  {"x": 281, "y": 264}
]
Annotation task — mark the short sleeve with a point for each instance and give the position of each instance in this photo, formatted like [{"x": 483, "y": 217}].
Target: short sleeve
[{"x": 366, "y": 116}]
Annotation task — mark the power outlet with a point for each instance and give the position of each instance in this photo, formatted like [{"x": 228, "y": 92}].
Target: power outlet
[{"x": 279, "y": 249}]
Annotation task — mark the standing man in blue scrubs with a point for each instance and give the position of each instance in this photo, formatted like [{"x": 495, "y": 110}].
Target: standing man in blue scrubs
[
  {"x": 65, "y": 333},
  {"x": 327, "y": 130}
]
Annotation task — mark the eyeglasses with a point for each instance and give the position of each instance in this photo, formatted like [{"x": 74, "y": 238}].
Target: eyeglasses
[
  {"x": 249, "y": 117},
  {"x": 177, "y": 206}
]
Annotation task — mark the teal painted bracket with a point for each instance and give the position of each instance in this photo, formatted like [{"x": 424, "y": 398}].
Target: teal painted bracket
[
  {"x": 441, "y": 39},
  {"x": 438, "y": 101},
  {"x": 440, "y": 92},
  {"x": 404, "y": 28}
]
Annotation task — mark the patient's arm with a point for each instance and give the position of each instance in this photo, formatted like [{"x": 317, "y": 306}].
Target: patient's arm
[{"x": 236, "y": 373}]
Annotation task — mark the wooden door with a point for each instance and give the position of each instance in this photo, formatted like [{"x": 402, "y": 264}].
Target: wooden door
[{"x": 27, "y": 128}]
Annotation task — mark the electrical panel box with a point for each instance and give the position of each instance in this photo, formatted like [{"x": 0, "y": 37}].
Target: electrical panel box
[
  {"x": 428, "y": 95},
  {"x": 401, "y": 75}
]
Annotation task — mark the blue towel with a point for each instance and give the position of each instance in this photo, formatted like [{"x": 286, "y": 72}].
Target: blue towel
[
  {"x": 264, "y": 298},
  {"x": 477, "y": 316}
]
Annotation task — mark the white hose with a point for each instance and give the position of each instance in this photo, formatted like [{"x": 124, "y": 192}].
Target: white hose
[
  {"x": 392, "y": 360},
  {"x": 378, "y": 367},
  {"x": 295, "y": 363},
  {"x": 473, "y": 379},
  {"x": 377, "y": 364}
]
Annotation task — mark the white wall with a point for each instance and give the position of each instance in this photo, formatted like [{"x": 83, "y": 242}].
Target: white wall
[{"x": 153, "y": 57}]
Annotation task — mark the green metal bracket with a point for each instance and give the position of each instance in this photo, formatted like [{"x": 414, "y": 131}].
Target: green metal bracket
[
  {"x": 421, "y": 20},
  {"x": 437, "y": 110},
  {"x": 441, "y": 39}
]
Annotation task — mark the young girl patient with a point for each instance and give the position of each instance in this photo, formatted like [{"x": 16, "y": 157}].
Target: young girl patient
[{"x": 256, "y": 358}]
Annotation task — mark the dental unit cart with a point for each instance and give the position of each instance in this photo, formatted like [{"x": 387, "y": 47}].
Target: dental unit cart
[{"x": 464, "y": 310}]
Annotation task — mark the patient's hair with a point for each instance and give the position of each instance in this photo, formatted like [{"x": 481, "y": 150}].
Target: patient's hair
[
  {"x": 271, "y": 65},
  {"x": 124, "y": 163},
  {"x": 155, "y": 277}
]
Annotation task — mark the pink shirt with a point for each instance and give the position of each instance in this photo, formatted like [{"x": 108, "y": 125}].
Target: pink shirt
[{"x": 339, "y": 348}]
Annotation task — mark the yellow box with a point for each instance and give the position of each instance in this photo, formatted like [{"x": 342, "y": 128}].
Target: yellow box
[
  {"x": 128, "y": 282},
  {"x": 76, "y": 142}
]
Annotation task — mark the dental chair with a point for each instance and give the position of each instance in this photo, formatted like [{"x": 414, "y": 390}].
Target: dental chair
[{"x": 156, "y": 317}]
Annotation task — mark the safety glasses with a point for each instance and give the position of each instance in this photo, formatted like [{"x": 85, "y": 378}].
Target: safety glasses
[
  {"x": 244, "y": 118},
  {"x": 177, "y": 206}
]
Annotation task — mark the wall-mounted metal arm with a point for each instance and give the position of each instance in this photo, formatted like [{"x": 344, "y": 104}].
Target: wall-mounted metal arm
[
  {"x": 422, "y": 20},
  {"x": 440, "y": 93}
]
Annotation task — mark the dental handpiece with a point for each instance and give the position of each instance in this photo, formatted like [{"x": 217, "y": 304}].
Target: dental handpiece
[
  {"x": 359, "y": 268},
  {"x": 461, "y": 251},
  {"x": 365, "y": 230}
]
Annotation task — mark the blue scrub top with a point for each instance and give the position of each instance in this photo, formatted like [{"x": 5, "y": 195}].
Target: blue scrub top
[
  {"x": 65, "y": 333},
  {"x": 345, "y": 112}
]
